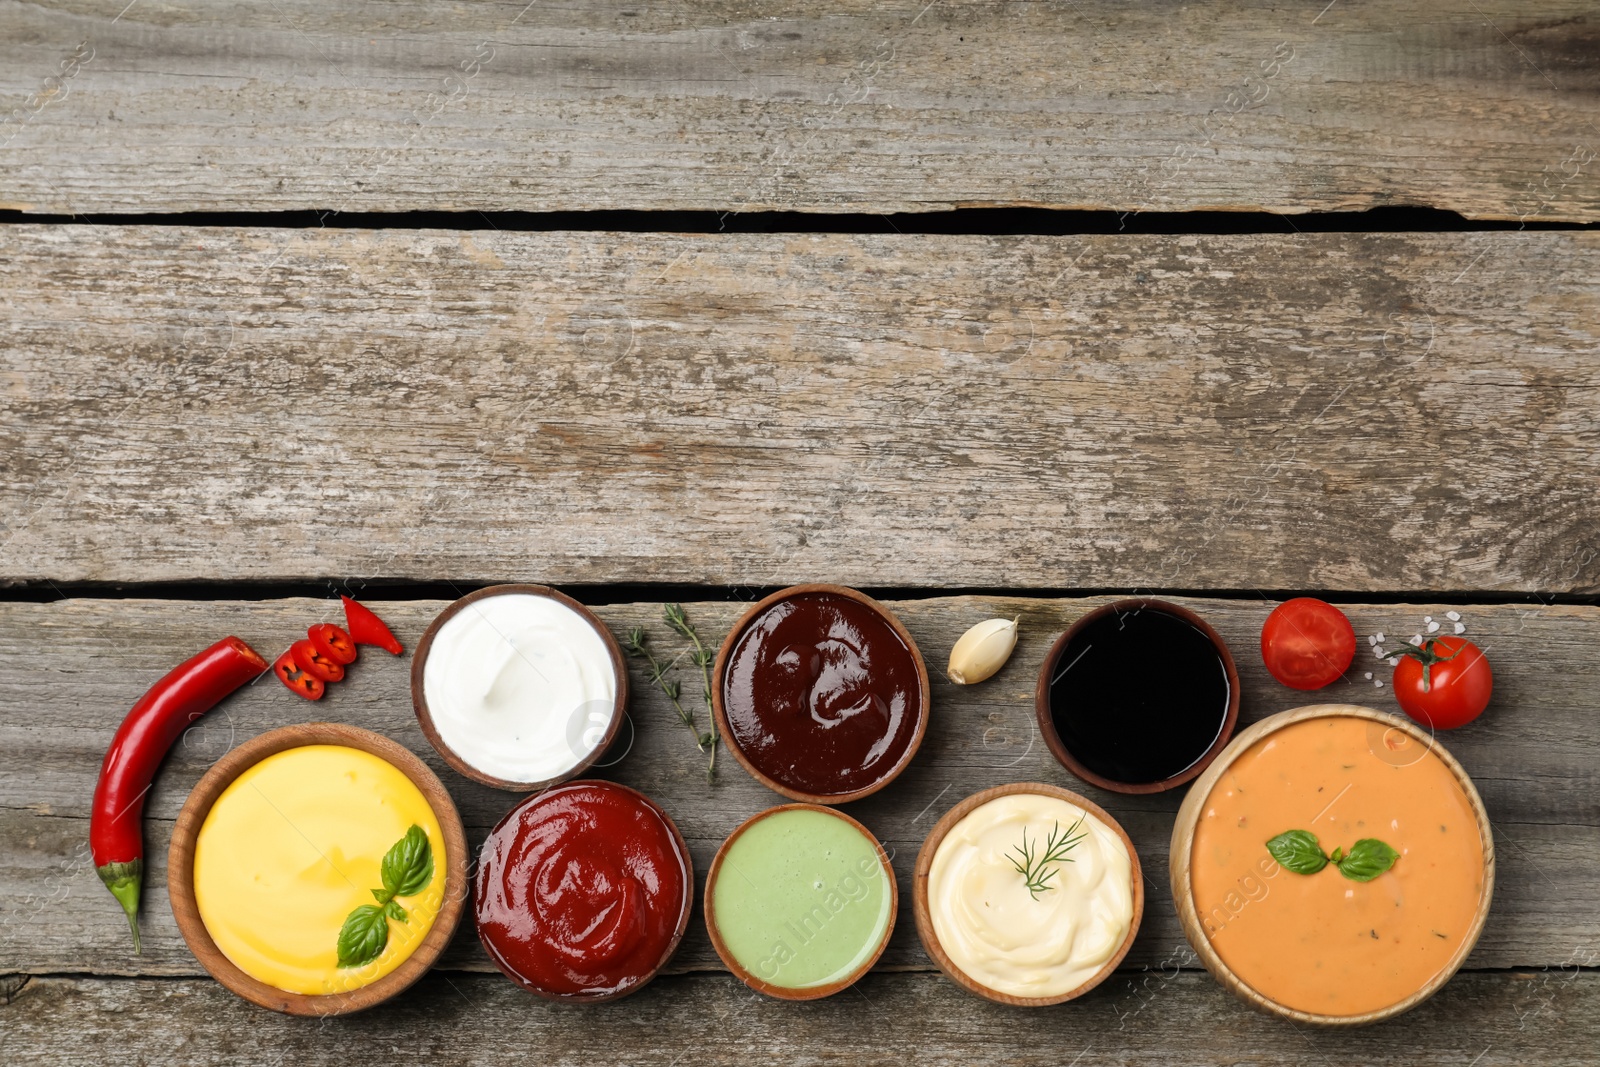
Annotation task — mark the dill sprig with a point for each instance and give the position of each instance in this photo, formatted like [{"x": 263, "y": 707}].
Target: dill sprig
[
  {"x": 1035, "y": 867},
  {"x": 638, "y": 646}
]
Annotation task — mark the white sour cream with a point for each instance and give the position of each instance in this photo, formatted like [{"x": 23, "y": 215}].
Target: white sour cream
[
  {"x": 1006, "y": 938},
  {"x": 520, "y": 686}
]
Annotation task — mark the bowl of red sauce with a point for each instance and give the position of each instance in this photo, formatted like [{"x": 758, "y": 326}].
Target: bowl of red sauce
[
  {"x": 583, "y": 892},
  {"x": 821, "y": 694}
]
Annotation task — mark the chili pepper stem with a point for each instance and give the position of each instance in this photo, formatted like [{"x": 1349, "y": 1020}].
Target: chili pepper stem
[{"x": 123, "y": 879}]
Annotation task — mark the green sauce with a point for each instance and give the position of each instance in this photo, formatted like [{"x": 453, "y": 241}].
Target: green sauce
[{"x": 802, "y": 899}]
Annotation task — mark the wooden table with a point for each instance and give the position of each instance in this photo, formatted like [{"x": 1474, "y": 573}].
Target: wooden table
[{"x": 238, "y": 379}]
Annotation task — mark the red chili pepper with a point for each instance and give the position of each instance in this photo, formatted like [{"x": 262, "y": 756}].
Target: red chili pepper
[
  {"x": 299, "y": 682},
  {"x": 314, "y": 663},
  {"x": 333, "y": 643},
  {"x": 367, "y": 629},
  {"x": 187, "y": 692}
]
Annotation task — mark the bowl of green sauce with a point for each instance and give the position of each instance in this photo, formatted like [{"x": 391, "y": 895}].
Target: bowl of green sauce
[{"x": 800, "y": 901}]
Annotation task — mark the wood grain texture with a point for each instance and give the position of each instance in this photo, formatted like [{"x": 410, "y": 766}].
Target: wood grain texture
[
  {"x": 70, "y": 670},
  {"x": 1327, "y": 411},
  {"x": 1165, "y": 1017},
  {"x": 1487, "y": 108}
]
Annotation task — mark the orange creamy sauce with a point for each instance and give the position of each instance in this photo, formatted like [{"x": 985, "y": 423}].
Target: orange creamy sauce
[{"x": 1323, "y": 943}]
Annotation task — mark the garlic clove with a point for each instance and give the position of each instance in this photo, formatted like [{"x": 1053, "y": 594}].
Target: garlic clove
[{"x": 982, "y": 651}]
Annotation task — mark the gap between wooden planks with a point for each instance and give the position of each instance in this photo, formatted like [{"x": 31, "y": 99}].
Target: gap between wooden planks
[
  {"x": 1485, "y": 109},
  {"x": 70, "y": 670},
  {"x": 1359, "y": 412}
]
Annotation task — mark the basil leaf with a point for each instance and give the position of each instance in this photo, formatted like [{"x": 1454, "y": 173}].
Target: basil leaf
[
  {"x": 1367, "y": 859},
  {"x": 408, "y": 866},
  {"x": 395, "y": 911},
  {"x": 363, "y": 936},
  {"x": 1298, "y": 851}
]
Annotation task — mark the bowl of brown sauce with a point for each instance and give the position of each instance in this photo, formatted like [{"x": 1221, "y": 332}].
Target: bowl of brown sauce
[{"x": 821, "y": 694}]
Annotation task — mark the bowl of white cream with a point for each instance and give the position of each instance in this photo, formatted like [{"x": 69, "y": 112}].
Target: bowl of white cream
[
  {"x": 519, "y": 686},
  {"x": 1027, "y": 894}
]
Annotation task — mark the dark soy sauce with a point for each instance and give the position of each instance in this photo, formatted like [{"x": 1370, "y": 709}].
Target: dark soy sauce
[{"x": 1139, "y": 696}]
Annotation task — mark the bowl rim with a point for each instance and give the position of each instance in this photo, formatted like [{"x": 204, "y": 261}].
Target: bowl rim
[
  {"x": 223, "y": 773},
  {"x": 1058, "y": 748},
  {"x": 754, "y": 981},
  {"x": 1183, "y": 831},
  {"x": 419, "y": 699},
  {"x": 683, "y": 912},
  {"x": 719, "y": 711},
  {"x": 924, "y": 916}
]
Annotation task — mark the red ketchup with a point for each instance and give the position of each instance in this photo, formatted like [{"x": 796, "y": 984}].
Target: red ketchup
[{"x": 583, "y": 891}]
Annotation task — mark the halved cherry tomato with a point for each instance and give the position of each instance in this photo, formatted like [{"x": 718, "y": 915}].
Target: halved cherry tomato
[
  {"x": 367, "y": 629},
  {"x": 299, "y": 682},
  {"x": 1444, "y": 684},
  {"x": 314, "y": 663},
  {"x": 332, "y": 643},
  {"x": 1307, "y": 643}
]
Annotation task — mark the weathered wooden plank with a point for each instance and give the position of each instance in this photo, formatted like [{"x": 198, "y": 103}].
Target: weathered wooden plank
[
  {"x": 69, "y": 670},
  {"x": 1159, "y": 1016},
  {"x": 1485, "y": 109},
  {"x": 1329, "y": 411}
]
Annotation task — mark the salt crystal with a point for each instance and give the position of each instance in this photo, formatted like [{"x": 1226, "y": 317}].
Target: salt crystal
[
  {"x": 1416, "y": 639},
  {"x": 1432, "y": 626},
  {"x": 1453, "y": 616},
  {"x": 1460, "y": 628},
  {"x": 1378, "y": 652},
  {"x": 1377, "y": 683},
  {"x": 1380, "y": 638},
  {"x": 1371, "y": 640},
  {"x": 1369, "y": 674},
  {"x": 1394, "y": 661},
  {"x": 1427, "y": 618}
]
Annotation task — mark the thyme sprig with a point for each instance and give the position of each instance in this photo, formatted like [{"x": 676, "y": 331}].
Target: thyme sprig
[
  {"x": 638, "y": 646},
  {"x": 1035, "y": 867}
]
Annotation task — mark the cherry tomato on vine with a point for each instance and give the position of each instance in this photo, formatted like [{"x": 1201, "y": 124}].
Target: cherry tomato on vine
[
  {"x": 1444, "y": 684},
  {"x": 1307, "y": 643}
]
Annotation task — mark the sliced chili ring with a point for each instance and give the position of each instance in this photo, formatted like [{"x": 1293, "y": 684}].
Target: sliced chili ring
[
  {"x": 314, "y": 663},
  {"x": 298, "y": 681},
  {"x": 332, "y": 643}
]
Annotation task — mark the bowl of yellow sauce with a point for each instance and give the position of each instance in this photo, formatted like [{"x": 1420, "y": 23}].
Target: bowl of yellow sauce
[
  {"x": 1334, "y": 865},
  {"x": 318, "y": 869}
]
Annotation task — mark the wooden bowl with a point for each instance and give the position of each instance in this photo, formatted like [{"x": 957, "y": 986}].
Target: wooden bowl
[
  {"x": 672, "y": 945},
  {"x": 720, "y": 713},
  {"x": 754, "y": 981},
  {"x": 180, "y": 869},
  {"x": 1058, "y": 748},
  {"x": 919, "y": 893},
  {"x": 1183, "y": 843},
  {"x": 419, "y": 700}
]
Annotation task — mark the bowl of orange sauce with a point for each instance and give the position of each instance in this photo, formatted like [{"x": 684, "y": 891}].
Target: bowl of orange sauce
[{"x": 1358, "y": 940}]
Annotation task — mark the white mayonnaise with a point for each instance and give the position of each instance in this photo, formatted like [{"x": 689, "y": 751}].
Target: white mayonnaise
[
  {"x": 1017, "y": 942},
  {"x": 520, "y": 686}
]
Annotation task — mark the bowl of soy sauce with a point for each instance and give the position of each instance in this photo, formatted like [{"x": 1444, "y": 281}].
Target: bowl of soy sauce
[{"x": 1138, "y": 696}]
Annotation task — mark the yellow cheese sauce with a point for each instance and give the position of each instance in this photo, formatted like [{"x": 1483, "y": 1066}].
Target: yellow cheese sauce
[
  {"x": 1321, "y": 942},
  {"x": 296, "y": 844}
]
